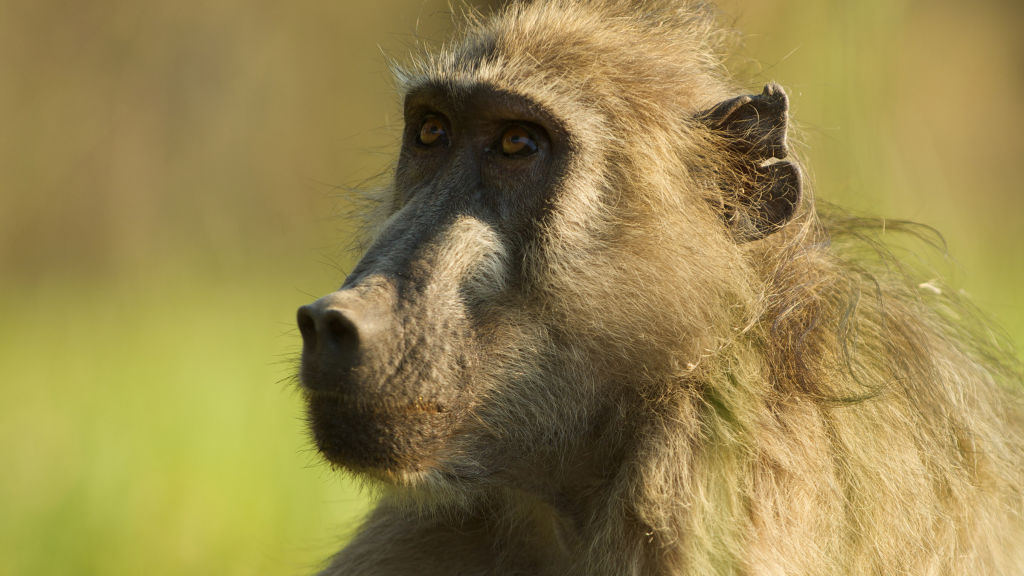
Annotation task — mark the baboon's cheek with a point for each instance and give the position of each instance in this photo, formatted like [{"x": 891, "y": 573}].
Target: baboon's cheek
[{"x": 378, "y": 438}]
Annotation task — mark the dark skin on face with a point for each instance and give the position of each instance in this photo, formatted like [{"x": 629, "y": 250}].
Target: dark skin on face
[
  {"x": 499, "y": 150},
  {"x": 489, "y": 155}
]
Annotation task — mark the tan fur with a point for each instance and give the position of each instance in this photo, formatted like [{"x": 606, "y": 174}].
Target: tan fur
[{"x": 683, "y": 403}]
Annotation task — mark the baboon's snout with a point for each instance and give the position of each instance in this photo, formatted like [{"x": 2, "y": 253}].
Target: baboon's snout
[
  {"x": 339, "y": 332},
  {"x": 379, "y": 395}
]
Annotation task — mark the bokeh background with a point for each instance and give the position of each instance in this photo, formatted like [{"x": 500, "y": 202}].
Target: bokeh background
[{"x": 172, "y": 174}]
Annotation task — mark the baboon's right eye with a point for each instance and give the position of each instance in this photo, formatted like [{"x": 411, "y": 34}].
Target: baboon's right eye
[{"x": 432, "y": 132}]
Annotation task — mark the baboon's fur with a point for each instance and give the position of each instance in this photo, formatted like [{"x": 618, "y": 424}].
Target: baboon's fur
[{"x": 663, "y": 397}]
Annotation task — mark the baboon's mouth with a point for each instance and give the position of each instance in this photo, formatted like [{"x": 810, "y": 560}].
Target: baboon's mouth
[
  {"x": 378, "y": 405},
  {"x": 377, "y": 435}
]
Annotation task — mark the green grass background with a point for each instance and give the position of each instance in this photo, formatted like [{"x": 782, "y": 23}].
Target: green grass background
[{"x": 172, "y": 176}]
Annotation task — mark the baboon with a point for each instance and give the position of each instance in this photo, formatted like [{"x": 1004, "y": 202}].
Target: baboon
[{"x": 600, "y": 328}]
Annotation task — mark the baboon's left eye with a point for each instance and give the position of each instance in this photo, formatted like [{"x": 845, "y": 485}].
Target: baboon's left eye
[{"x": 517, "y": 141}]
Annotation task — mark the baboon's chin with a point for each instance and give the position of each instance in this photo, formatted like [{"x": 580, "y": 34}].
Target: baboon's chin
[{"x": 383, "y": 440}]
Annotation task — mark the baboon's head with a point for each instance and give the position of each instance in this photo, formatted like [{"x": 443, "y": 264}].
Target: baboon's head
[{"x": 569, "y": 213}]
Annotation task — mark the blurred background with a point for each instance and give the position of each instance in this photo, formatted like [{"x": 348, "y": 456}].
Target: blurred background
[{"x": 172, "y": 175}]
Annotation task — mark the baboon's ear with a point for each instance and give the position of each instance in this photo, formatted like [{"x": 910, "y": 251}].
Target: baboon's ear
[{"x": 761, "y": 190}]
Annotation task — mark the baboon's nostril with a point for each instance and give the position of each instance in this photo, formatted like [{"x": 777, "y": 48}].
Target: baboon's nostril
[
  {"x": 327, "y": 327},
  {"x": 340, "y": 330},
  {"x": 307, "y": 326}
]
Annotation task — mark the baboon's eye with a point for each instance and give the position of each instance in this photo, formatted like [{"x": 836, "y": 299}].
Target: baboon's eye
[
  {"x": 517, "y": 141},
  {"x": 432, "y": 131}
]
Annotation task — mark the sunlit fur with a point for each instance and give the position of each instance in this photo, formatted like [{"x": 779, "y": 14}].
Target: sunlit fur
[{"x": 683, "y": 403}]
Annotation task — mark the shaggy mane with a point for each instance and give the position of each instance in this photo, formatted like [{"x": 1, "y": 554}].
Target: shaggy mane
[{"x": 805, "y": 403}]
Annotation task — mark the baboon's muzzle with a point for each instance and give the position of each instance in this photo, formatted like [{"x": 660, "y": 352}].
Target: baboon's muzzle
[{"x": 377, "y": 401}]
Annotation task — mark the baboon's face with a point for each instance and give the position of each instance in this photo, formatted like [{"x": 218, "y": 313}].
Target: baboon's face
[
  {"x": 394, "y": 362},
  {"x": 461, "y": 343}
]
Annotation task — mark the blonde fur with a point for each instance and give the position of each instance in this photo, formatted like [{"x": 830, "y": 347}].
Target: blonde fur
[{"x": 675, "y": 401}]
